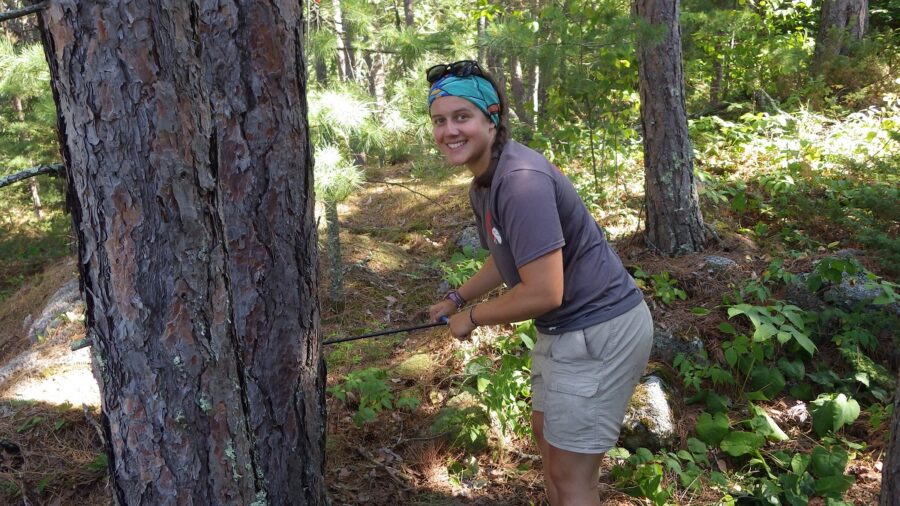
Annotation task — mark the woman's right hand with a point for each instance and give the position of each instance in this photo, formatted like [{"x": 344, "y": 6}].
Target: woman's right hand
[{"x": 445, "y": 307}]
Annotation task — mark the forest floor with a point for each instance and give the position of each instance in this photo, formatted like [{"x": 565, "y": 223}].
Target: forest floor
[{"x": 395, "y": 235}]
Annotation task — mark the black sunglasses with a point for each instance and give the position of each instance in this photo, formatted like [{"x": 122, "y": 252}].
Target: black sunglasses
[{"x": 462, "y": 68}]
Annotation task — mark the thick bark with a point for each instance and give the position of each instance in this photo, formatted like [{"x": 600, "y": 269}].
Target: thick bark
[
  {"x": 841, "y": 22},
  {"x": 183, "y": 127},
  {"x": 673, "y": 221},
  {"x": 890, "y": 473}
]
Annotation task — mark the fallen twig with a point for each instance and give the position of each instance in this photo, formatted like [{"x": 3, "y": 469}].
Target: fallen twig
[{"x": 392, "y": 473}]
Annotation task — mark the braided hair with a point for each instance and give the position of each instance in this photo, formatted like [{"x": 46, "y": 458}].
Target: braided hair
[{"x": 500, "y": 137}]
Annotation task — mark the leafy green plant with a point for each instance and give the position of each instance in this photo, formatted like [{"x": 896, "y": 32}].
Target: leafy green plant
[
  {"x": 374, "y": 394},
  {"x": 664, "y": 286},
  {"x": 463, "y": 265},
  {"x": 504, "y": 386},
  {"x": 830, "y": 412}
]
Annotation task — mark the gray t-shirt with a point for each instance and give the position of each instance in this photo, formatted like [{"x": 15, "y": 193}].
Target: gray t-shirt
[{"x": 531, "y": 209}]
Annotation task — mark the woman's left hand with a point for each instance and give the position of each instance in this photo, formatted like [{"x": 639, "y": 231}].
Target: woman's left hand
[{"x": 460, "y": 326}]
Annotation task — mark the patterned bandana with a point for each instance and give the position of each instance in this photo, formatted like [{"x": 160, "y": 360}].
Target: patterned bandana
[{"x": 475, "y": 89}]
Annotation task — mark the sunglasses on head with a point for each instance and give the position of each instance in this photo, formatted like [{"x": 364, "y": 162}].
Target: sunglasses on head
[{"x": 462, "y": 68}]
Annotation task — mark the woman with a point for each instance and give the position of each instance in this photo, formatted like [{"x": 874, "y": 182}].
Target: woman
[{"x": 594, "y": 329}]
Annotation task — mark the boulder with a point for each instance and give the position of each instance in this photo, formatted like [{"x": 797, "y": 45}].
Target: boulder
[
  {"x": 852, "y": 290},
  {"x": 667, "y": 346},
  {"x": 468, "y": 237},
  {"x": 717, "y": 264},
  {"x": 649, "y": 421}
]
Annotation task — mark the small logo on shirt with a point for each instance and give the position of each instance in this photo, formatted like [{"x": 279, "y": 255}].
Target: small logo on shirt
[{"x": 496, "y": 234}]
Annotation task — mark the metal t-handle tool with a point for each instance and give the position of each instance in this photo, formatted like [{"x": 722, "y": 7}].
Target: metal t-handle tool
[{"x": 443, "y": 321}]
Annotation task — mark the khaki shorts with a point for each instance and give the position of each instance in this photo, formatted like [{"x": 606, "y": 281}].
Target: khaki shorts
[{"x": 583, "y": 380}]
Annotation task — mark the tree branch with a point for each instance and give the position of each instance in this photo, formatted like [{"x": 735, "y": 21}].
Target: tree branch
[
  {"x": 54, "y": 168},
  {"x": 401, "y": 185},
  {"x": 24, "y": 11}
]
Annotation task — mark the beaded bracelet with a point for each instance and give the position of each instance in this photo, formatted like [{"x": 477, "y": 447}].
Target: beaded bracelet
[
  {"x": 472, "y": 316},
  {"x": 456, "y": 298}
]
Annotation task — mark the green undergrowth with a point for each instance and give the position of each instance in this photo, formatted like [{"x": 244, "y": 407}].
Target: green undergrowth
[
  {"x": 29, "y": 244},
  {"x": 739, "y": 450}
]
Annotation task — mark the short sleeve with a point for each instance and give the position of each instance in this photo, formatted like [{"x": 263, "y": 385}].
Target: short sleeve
[{"x": 526, "y": 204}]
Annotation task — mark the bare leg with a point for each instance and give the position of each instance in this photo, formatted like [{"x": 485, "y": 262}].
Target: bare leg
[
  {"x": 575, "y": 477},
  {"x": 537, "y": 425}
]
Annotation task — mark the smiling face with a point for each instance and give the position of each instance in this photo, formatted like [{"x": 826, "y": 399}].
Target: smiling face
[{"x": 463, "y": 133}]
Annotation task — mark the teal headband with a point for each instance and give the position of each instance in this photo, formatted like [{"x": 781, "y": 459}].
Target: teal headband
[{"x": 475, "y": 89}]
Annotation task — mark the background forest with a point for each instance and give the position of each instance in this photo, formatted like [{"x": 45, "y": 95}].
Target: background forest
[{"x": 794, "y": 117}]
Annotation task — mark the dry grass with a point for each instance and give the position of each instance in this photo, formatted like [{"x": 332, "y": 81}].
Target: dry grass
[{"x": 56, "y": 456}]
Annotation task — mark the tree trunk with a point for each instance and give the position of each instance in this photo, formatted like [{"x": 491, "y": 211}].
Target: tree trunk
[
  {"x": 335, "y": 266},
  {"x": 408, "y": 13},
  {"x": 520, "y": 102},
  {"x": 319, "y": 60},
  {"x": 482, "y": 31},
  {"x": 33, "y": 184},
  {"x": 674, "y": 224},
  {"x": 715, "y": 87},
  {"x": 345, "y": 73},
  {"x": 183, "y": 127},
  {"x": 890, "y": 473},
  {"x": 840, "y": 23}
]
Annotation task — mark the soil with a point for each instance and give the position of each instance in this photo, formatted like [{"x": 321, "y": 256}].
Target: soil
[{"x": 392, "y": 234}]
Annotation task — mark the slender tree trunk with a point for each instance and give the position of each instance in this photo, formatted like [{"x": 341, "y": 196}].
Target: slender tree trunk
[
  {"x": 841, "y": 22},
  {"x": 715, "y": 87},
  {"x": 408, "y": 13},
  {"x": 890, "y": 473},
  {"x": 33, "y": 184},
  {"x": 521, "y": 104},
  {"x": 318, "y": 59},
  {"x": 335, "y": 266},
  {"x": 345, "y": 72},
  {"x": 482, "y": 30},
  {"x": 183, "y": 127},
  {"x": 673, "y": 222}
]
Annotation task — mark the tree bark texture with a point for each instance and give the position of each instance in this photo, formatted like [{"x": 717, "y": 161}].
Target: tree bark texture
[
  {"x": 840, "y": 22},
  {"x": 890, "y": 473},
  {"x": 674, "y": 224},
  {"x": 183, "y": 127}
]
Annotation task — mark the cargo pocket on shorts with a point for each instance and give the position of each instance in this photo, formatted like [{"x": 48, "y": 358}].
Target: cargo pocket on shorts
[{"x": 570, "y": 409}]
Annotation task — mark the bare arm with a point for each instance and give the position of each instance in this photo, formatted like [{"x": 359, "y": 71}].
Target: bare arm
[
  {"x": 486, "y": 279},
  {"x": 539, "y": 291}
]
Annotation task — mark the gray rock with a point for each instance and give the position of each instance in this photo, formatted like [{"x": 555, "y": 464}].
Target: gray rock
[
  {"x": 67, "y": 299},
  {"x": 849, "y": 253},
  {"x": 852, "y": 290},
  {"x": 443, "y": 287},
  {"x": 846, "y": 294},
  {"x": 468, "y": 237},
  {"x": 798, "y": 294},
  {"x": 667, "y": 346},
  {"x": 718, "y": 264},
  {"x": 649, "y": 421}
]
